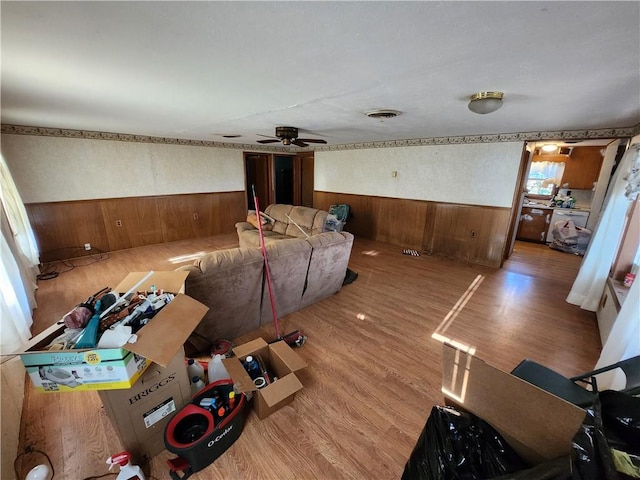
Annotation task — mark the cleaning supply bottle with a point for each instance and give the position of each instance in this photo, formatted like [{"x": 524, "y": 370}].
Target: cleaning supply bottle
[
  {"x": 127, "y": 471},
  {"x": 216, "y": 370},
  {"x": 195, "y": 369},
  {"x": 252, "y": 367},
  {"x": 196, "y": 384}
]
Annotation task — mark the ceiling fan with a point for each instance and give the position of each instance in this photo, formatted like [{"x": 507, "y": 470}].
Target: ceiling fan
[{"x": 289, "y": 136}]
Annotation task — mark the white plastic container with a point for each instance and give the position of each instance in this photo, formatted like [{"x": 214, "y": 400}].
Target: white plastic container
[
  {"x": 196, "y": 384},
  {"x": 195, "y": 369},
  {"x": 216, "y": 370}
]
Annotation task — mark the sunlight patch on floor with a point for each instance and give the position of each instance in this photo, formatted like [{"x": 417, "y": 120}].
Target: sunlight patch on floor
[
  {"x": 469, "y": 350},
  {"x": 457, "y": 390},
  {"x": 457, "y": 308}
]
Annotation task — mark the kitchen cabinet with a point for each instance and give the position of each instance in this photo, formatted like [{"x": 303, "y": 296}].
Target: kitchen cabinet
[
  {"x": 534, "y": 223},
  {"x": 582, "y": 168}
]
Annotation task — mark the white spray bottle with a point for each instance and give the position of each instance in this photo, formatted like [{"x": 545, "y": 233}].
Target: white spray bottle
[{"x": 127, "y": 471}]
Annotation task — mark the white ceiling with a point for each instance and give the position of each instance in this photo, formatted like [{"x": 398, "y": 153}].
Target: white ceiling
[{"x": 198, "y": 70}]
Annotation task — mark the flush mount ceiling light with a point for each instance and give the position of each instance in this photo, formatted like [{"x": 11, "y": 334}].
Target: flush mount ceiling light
[
  {"x": 549, "y": 147},
  {"x": 485, "y": 102},
  {"x": 382, "y": 113}
]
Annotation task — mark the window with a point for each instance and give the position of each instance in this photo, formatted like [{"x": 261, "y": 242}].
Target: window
[{"x": 544, "y": 177}]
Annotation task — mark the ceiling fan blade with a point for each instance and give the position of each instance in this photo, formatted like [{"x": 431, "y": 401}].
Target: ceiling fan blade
[
  {"x": 299, "y": 143},
  {"x": 312, "y": 140},
  {"x": 268, "y": 141}
]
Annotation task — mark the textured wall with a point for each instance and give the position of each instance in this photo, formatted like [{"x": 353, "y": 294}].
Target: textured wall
[
  {"x": 475, "y": 174},
  {"x": 53, "y": 169}
]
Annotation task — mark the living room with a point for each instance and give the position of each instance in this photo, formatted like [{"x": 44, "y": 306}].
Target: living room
[{"x": 423, "y": 180}]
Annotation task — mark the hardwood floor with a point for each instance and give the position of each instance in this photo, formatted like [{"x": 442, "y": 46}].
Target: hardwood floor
[{"x": 374, "y": 369}]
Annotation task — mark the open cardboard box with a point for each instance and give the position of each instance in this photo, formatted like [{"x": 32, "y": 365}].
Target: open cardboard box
[
  {"x": 140, "y": 414},
  {"x": 280, "y": 359},
  {"x": 538, "y": 425},
  {"x": 117, "y": 368}
]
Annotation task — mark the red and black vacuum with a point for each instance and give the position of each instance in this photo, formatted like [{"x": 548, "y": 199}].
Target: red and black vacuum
[{"x": 295, "y": 338}]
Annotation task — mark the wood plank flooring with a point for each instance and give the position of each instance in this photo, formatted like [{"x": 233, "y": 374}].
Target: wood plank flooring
[{"x": 374, "y": 368}]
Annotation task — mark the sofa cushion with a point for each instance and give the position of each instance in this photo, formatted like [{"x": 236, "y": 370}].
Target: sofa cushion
[
  {"x": 310, "y": 220},
  {"x": 251, "y": 238},
  {"x": 279, "y": 213}
]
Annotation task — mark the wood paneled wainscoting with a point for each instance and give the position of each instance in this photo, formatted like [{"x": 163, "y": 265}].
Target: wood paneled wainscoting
[
  {"x": 62, "y": 228},
  {"x": 472, "y": 233}
]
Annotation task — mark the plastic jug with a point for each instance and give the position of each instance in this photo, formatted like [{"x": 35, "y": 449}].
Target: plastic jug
[
  {"x": 197, "y": 384},
  {"x": 216, "y": 370},
  {"x": 195, "y": 369}
]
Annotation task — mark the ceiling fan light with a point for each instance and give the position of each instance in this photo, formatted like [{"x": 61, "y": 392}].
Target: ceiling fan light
[{"x": 485, "y": 102}]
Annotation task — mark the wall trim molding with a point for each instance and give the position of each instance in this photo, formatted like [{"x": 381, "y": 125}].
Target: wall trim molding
[{"x": 586, "y": 134}]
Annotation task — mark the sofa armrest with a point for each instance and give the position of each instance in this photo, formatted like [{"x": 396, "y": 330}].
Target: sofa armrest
[
  {"x": 244, "y": 226},
  {"x": 189, "y": 268}
]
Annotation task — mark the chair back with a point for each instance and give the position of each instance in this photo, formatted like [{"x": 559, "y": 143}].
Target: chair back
[{"x": 631, "y": 369}]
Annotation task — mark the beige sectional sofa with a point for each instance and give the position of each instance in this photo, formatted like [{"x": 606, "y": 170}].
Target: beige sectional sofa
[
  {"x": 310, "y": 220},
  {"x": 232, "y": 282}
]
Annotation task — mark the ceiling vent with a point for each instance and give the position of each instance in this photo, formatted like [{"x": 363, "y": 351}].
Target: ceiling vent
[{"x": 382, "y": 113}]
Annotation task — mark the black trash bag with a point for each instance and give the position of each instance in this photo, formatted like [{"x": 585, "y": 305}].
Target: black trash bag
[
  {"x": 556, "y": 469},
  {"x": 591, "y": 457},
  {"x": 458, "y": 446},
  {"x": 621, "y": 420}
]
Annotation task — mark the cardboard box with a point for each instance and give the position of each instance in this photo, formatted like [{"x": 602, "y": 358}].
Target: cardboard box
[
  {"x": 117, "y": 368},
  {"x": 139, "y": 414},
  {"x": 538, "y": 425},
  {"x": 280, "y": 359}
]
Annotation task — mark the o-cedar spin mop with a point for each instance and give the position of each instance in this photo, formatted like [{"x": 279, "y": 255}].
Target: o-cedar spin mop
[{"x": 295, "y": 338}]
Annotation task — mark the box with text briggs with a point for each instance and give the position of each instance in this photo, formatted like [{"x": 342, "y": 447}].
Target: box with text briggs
[
  {"x": 70, "y": 370},
  {"x": 139, "y": 414}
]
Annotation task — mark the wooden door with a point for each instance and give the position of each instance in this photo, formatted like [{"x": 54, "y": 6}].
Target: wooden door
[
  {"x": 304, "y": 165},
  {"x": 258, "y": 174},
  {"x": 518, "y": 199}
]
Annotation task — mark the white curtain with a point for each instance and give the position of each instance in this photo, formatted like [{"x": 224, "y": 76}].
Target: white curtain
[
  {"x": 549, "y": 171},
  {"x": 589, "y": 284},
  {"x": 20, "y": 260},
  {"x": 623, "y": 341}
]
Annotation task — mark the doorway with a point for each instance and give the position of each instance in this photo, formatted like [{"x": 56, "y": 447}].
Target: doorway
[
  {"x": 257, "y": 176},
  {"x": 283, "y": 167},
  {"x": 590, "y": 163},
  {"x": 279, "y": 178}
]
